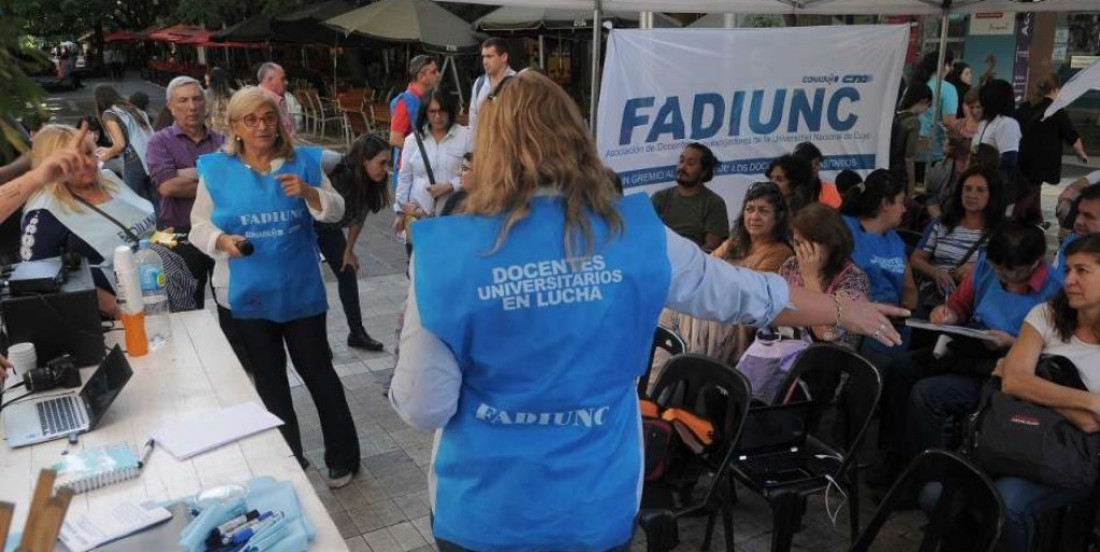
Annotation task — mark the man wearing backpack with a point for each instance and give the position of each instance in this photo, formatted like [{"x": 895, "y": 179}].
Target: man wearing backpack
[
  {"x": 494, "y": 58},
  {"x": 423, "y": 77}
]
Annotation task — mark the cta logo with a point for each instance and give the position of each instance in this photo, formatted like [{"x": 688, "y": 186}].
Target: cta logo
[{"x": 856, "y": 79}]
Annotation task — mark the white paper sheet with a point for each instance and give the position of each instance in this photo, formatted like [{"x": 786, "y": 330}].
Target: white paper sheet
[
  {"x": 83, "y": 532},
  {"x": 198, "y": 434}
]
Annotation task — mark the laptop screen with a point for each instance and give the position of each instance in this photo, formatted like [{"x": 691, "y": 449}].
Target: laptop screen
[
  {"x": 774, "y": 428},
  {"x": 105, "y": 384}
]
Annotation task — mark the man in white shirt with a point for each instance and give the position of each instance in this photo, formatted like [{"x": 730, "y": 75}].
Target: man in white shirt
[
  {"x": 494, "y": 58},
  {"x": 272, "y": 79}
]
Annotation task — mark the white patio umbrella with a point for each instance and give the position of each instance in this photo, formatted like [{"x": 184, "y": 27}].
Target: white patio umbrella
[{"x": 1085, "y": 80}]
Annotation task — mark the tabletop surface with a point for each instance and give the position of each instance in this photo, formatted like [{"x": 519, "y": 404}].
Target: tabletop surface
[{"x": 196, "y": 372}]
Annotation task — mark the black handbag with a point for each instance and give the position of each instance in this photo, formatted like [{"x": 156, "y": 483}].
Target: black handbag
[{"x": 1012, "y": 437}]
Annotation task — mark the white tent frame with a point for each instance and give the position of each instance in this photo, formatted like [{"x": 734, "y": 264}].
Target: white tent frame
[{"x": 943, "y": 8}]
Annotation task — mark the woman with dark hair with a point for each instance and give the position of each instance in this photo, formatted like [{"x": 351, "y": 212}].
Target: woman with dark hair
[
  {"x": 1041, "y": 145},
  {"x": 905, "y": 133},
  {"x": 998, "y": 128},
  {"x": 361, "y": 179},
  {"x": 129, "y": 130},
  {"x": 872, "y": 210},
  {"x": 827, "y": 190},
  {"x": 822, "y": 262},
  {"x": 431, "y": 159},
  {"x": 794, "y": 176},
  {"x": 759, "y": 241},
  {"x": 961, "y": 76},
  {"x": 218, "y": 91},
  {"x": 951, "y": 244},
  {"x": 1067, "y": 326}
]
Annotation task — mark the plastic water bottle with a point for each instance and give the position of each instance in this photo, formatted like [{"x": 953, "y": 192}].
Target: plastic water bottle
[
  {"x": 154, "y": 296},
  {"x": 130, "y": 304}
]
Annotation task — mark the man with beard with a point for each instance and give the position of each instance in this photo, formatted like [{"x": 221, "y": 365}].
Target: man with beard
[{"x": 689, "y": 208}]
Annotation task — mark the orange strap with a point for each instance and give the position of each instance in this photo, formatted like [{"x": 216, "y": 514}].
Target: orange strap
[{"x": 700, "y": 427}]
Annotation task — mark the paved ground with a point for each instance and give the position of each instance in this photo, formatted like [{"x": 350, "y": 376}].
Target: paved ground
[{"x": 386, "y": 508}]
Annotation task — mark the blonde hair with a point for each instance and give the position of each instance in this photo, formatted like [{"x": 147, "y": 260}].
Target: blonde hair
[
  {"x": 249, "y": 100},
  {"x": 48, "y": 140},
  {"x": 530, "y": 134}
]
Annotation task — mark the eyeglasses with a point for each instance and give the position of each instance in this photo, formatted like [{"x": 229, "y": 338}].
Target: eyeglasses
[
  {"x": 496, "y": 91},
  {"x": 253, "y": 121}
]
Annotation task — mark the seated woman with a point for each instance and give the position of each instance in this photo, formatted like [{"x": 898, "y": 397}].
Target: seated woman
[
  {"x": 1069, "y": 326},
  {"x": 759, "y": 242},
  {"x": 810, "y": 153},
  {"x": 949, "y": 248},
  {"x": 90, "y": 213},
  {"x": 795, "y": 179},
  {"x": 822, "y": 262},
  {"x": 872, "y": 210}
]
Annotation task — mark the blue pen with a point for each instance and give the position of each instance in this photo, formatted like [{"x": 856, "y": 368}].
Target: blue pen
[{"x": 242, "y": 536}]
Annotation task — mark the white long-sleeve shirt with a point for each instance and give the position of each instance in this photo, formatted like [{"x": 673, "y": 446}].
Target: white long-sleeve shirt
[
  {"x": 478, "y": 96},
  {"x": 446, "y": 159},
  {"x": 427, "y": 381},
  {"x": 204, "y": 234}
]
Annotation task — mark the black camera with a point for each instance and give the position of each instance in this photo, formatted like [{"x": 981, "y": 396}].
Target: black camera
[{"x": 59, "y": 372}]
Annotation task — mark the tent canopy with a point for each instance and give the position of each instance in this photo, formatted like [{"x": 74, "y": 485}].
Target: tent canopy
[
  {"x": 409, "y": 21},
  {"x": 519, "y": 18},
  {"x": 122, "y": 36},
  {"x": 824, "y": 7},
  {"x": 181, "y": 34},
  {"x": 300, "y": 26}
]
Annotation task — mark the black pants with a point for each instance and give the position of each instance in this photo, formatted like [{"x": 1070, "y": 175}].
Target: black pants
[
  {"x": 233, "y": 336},
  {"x": 200, "y": 266},
  {"x": 308, "y": 345},
  {"x": 332, "y": 243}
]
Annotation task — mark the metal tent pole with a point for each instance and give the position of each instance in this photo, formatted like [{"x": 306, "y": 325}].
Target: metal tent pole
[
  {"x": 597, "y": 25},
  {"x": 936, "y": 115}
]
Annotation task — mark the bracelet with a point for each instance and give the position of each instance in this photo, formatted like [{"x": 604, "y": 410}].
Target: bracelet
[{"x": 839, "y": 312}]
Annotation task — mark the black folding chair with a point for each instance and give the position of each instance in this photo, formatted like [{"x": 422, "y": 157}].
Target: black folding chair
[
  {"x": 968, "y": 515},
  {"x": 710, "y": 389},
  {"x": 844, "y": 388},
  {"x": 666, "y": 340}
]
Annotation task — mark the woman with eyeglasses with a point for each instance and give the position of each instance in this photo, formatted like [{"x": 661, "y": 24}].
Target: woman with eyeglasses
[
  {"x": 254, "y": 211},
  {"x": 524, "y": 338},
  {"x": 361, "y": 178},
  {"x": 431, "y": 160},
  {"x": 759, "y": 242}
]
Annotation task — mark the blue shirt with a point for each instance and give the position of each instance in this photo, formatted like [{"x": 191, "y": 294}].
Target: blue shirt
[{"x": 882, "y": 257}]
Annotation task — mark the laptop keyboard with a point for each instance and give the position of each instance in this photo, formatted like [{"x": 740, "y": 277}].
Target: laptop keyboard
[
  {"x": 58, "y": 415},
  {"x": 773, "y": 463}
]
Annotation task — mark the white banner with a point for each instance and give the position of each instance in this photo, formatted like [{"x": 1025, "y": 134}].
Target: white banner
[{"x": 750, "y": 95}]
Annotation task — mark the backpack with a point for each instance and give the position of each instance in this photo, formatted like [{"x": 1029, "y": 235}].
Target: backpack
[
  {"x": 664, "y": 432},
  {"x": 767, "y": 361}
]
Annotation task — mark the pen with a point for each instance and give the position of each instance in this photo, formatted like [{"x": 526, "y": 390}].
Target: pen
[
  {"x": 146, "y": 452},
  {"x": 244, "y": 532},
  {"x": 214, "y": 539}
]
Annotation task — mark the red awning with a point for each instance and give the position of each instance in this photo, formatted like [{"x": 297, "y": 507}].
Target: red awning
[
  {"x": 182, "y": 34},
  {"x": 122, "y": 36}
]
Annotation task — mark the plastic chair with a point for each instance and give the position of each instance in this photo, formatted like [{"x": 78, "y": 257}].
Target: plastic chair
[
  {"x": 844, "y": 388},
  {"x": 711, "y": 389},
  {"x": 666, "y": 340},
  {"x": 968, "y": 516}
]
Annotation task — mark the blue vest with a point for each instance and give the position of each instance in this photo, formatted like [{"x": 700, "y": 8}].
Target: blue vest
[
  {"x": 412, "y": 108},
  {"x": 1060, "y": 257},
  {"x": 544, "y": 451},
  {"x": 999, "y": 309},
  {"x": 883, "y": 258},
  {"x": 280, "y": 280}
]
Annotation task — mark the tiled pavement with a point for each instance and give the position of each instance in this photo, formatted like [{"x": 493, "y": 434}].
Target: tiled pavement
[{"x": 386, "y": 508}]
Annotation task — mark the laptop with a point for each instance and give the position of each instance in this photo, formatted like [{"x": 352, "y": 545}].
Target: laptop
[
  {"x": 771, "y": 444},
  {"x": 55, "y": 417}
]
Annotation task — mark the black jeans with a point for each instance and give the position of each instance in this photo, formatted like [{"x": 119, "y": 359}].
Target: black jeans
[
  {"x": 307, "y": 343},
  {"x": 332, "y": 243},
  {"x": 233, "y": 336}
]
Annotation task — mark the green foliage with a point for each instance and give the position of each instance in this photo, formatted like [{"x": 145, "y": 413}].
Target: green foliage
[{"x": 19, "y": 95}]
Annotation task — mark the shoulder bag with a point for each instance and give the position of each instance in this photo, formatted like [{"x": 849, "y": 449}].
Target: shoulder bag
[
  {"x": 430, "y": 209},
  {"x": 929, "y": 294},
  {"x": 1011, "y": 437}
]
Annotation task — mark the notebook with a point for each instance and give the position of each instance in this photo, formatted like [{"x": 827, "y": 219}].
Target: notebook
[
  {"x": 197, "y": 434},
  {"x": 82, "y": 532},
  {"x": 94, "y": 468}
]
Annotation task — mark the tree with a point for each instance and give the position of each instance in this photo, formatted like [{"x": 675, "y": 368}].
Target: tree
[{"x": 19, "y": 95}]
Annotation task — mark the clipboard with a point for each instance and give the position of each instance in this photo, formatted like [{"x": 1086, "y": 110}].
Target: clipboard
[{"x": 962, "y": 331}]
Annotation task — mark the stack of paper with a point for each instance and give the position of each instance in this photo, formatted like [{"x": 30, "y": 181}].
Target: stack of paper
[{"x": 198, "y": 434}]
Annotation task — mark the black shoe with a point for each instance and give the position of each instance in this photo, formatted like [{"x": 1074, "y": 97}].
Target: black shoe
[
  {"x": 361, "y": 340},
  {"x": 340, "y": 478}
]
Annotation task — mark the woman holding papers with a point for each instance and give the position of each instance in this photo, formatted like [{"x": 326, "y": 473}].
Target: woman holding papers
[
  {"x": 525, "y": 353},
  {"x": 254, "y": 211}
]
